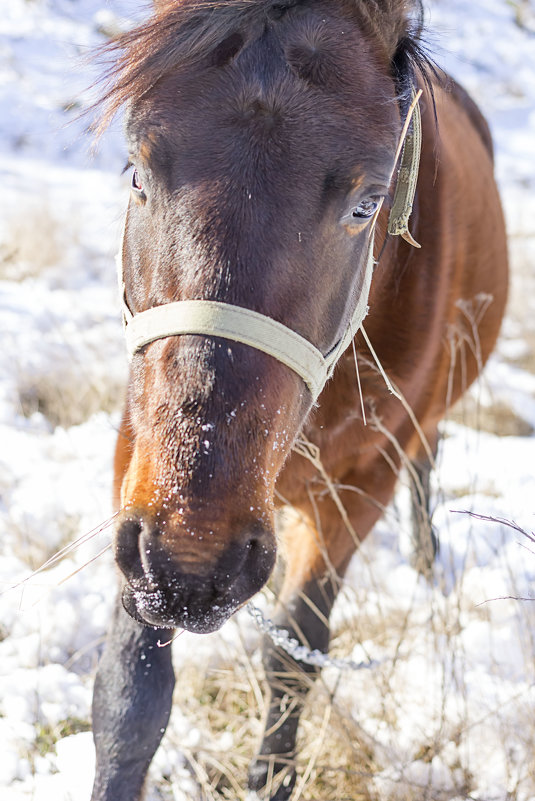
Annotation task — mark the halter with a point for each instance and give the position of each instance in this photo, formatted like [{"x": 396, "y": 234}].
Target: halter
[{"x": 213, "y": 318}]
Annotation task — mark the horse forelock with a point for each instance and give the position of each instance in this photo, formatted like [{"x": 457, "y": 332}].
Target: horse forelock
[{"x": 182, "y": 32}]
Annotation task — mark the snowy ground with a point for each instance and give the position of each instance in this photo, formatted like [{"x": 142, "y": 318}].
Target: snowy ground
[{"x": 449, "y": 710}]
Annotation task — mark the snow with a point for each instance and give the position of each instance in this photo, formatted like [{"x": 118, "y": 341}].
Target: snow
[{"x": 450, "y": 704}]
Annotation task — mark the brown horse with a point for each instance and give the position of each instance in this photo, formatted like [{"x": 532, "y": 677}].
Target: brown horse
[{"x": 263, "y": 137}]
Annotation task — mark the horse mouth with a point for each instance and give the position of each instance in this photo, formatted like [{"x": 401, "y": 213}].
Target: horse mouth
[
  {"x": 160, "y": 610},
  {"x": 167, "y": 591}
]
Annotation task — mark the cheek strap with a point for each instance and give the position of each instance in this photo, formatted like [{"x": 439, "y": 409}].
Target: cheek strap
[{"x": 212, "y": 318}]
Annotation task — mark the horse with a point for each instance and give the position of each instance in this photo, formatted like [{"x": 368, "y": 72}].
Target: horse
[{"x": 266, "y": 277}]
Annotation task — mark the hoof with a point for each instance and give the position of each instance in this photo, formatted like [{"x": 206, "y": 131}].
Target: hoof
[{"x": 264, "y": 781}]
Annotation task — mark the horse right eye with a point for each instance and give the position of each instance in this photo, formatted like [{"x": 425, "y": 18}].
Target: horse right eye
[{"x": 366, "y": 208}]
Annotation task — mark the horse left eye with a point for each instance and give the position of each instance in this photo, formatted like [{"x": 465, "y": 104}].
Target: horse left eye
[
  {"x": 136, "y": 183},
  {"x": 366, "y": 208}
]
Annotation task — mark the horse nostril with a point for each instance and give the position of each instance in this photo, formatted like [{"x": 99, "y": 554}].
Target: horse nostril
[
  {"x": 260, "y": 553},
  {"x": 247, "y": 565},
  {"x": 253, "y": 551},
  {"x": 258, "y": 562},
  {"x": 127, "y": 554}
]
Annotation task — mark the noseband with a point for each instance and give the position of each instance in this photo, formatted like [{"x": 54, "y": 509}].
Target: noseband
[{"x": 213, "y": 318}]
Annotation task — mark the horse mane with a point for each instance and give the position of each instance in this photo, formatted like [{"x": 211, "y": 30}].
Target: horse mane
[{"x": 184, "y": 31}]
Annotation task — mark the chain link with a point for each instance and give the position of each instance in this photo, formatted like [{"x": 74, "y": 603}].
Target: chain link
[{"x": 281, "y": 638}]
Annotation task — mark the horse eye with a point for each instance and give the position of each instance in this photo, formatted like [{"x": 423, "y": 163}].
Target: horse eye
[
  {"x": 136, "y": 183},
  {"x": 366, "y": 208}
]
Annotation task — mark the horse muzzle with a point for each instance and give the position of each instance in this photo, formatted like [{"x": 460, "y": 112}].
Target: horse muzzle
[{"x": 190, "y": 579}]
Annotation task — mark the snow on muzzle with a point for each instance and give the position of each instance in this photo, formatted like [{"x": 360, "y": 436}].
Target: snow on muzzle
[{"x": 192, "y": 578}]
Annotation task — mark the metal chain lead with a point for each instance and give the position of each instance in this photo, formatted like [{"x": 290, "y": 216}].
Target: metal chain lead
[{"x": 281, "y": 638}]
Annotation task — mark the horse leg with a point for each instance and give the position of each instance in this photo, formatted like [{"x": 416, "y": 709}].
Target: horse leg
[
  {"x": 289, "y": 682},
  {"x": 316, "y": 560},
  {"x": 133, "y": 687},
  {"x": 131, "y": 706},
  {"x": 424, "y": 542},
  {"x": 305, "y": 603}
]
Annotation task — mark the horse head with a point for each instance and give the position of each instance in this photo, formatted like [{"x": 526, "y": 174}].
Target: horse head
[{"x": 263, "y": 140}]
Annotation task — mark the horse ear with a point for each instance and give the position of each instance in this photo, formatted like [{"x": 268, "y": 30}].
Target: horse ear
[
  {"x": 395, "y": 22},
  {"x": 397, "y": 25}
]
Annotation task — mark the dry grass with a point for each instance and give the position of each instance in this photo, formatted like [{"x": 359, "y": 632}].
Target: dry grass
[
  {"x": 497, "y": 418},
  {"x": 74, "y": 383},
  {"x": 70, "y": 394},
  {"x": 226, "y": 706},
  {"x": 35, "y": 551},
  {"x": 524, "y": 13},
  {"x": 345, "y": 754},
  {"x": 32, "y": 241}
]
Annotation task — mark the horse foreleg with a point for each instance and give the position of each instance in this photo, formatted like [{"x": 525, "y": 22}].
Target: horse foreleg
[
  {"x": 305, "y": 603},
  {"x": 317, "y": 556},
  {"x": 131, "y": 706}
]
